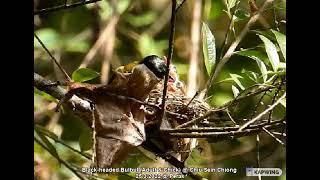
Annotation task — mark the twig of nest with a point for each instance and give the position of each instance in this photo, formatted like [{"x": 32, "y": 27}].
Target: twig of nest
[{"x": 179, "y": 110}]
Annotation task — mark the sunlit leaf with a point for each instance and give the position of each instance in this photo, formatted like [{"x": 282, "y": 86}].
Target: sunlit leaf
[
  {"x": 231, "y": 3},
  {"x": 209, "y": 48},
  {"x": 235, "y": 91},
  {"x": 257, "y": 56},
  {"x": 254, "y": 54},
  {"x": 84, "y": 74},
  {"x": 225, "y": 80},
  {"x": 282, "y": 65},
  {"x": 281, "y": 39},
  {"x": 283, "y": 102},
  {"x": 252, "y": 75},
  {"x": 235, "y": 78},
  {"x": 271, "y": 52},
  {"x": 263, "y": 69},
  {"x": 266, "y": 33}
]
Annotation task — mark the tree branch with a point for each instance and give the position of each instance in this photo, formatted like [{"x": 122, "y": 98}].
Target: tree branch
[
  {"x": 170, "y": 53},
  {"x": 220, "y": 136},
  {"x": 63, "y": 7},
  {"x": 263, "y": 113},
  {"x": 81, "y": 107}
]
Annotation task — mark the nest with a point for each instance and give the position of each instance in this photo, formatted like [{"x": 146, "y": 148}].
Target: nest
[{"x": 179, "y": 110}]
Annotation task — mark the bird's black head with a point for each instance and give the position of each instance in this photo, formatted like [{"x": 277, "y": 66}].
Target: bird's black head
[{"x": 156, "y": 65}]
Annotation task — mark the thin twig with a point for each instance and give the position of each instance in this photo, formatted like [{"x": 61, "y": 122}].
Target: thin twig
[
  {"x": 54, "y": 59},
  {"x": 170, "y": 53},
  {"x": 274, "y": 98},
  {"x": 260, "y": 100},
  {"x": 229, "y": 115},
  {"x": 196, "y": 120},
  {"x": 64, "y": 7},
  {"x": 219, "y": 129},
  {"x": 263, "y": 113},
  {"x": 279, "y": 134},
  {"x": 179, "y": 6},
  {"x": 94, "y": 140},
  {"x": 194, "y": 96},
  {"x": 226, "y": 37},
  {"x": 272, "y": 135},
  {"x": 220, "y": 136}
]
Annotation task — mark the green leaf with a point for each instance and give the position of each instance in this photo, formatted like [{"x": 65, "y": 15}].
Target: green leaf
[
  {"x": 282, "y": 65},
  {"x": 263, "y": 69},
  {"x": 241, "y": 14},
  {"x": 266, "y": 33},
  {"x": 257, "y": 56},
  {"x": 252, "y": 75},
  {"x": 281, "y": 39},
  {"x": 235, "y": 78},
  {"x": 254, "y": 54},
  {"x": 45, "y": 131},
  {"x": 235, "y": 91},
  {"x": 271, "y": 52},
  {"x": 48, "y": 144},
  {"x": 84, "y": 74},
  {"x": 283, "y": 102},
  {"x": 209, "y": 48},
  {"x": 231, "y": 3},
  {"x": 85, "y": 140}
]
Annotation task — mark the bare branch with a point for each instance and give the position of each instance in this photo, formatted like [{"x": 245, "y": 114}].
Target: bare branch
[
  {"x": 81, "y": 106},
  {"x": 263, "y": 113},
  {"x": 220, "y": 136},
  {"x": 272, "y": 135},
  {"x": 64, "y": 7},
  {"x": 170, "y": 53},
  {"x": 219, "y": 129}
]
